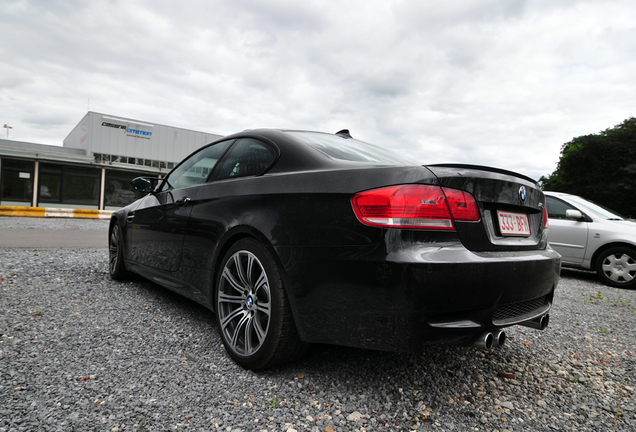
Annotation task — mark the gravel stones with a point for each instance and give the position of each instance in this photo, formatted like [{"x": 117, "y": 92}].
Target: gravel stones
[{"x": 81, "y": 352}]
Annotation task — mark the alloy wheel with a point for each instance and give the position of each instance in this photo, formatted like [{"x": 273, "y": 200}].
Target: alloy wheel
[
  {"x": 244, "y": 303},
  {"x": 113, "y": 248}
]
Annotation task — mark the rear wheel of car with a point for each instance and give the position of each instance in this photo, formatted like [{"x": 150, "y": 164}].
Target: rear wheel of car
[
  {"x": 252, "y": 309},
  {"x": 617, "y": 267},
  {"x": 116, "y": 265}
]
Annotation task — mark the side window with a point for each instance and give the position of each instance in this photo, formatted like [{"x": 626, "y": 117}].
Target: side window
[
  {"x": 557, "y": 208},
  {"x": 248, "y": 157},
  {"x": 196, "y": 169}
]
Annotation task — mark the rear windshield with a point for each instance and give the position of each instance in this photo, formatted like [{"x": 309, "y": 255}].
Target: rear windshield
[{"x": 350, "y": 149}]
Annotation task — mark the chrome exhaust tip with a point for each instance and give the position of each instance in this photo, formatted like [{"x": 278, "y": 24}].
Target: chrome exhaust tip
[
  {"x": 539, "y": 323},
  {"x": 500, "y": 338},
  {"x": 485, "y": 341}
]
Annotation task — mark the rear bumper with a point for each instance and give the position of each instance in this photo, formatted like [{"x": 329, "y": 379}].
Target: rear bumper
[{"x": 401, "y": 300}]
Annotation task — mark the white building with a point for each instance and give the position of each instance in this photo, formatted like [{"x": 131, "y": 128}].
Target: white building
[{"x": 93, "y": 169}]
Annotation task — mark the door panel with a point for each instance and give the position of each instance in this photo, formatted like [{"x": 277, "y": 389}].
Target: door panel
[
  {"x": 566, "y": 236},
  {"x": 222, "y": 201},
  {"x": 159, "y": 223},
  {"x": 569, "y": 238},
  {"x": 158, "y": 228}
]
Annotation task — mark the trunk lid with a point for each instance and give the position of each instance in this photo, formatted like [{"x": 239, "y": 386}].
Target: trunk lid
[{"x": 501, "y": 197}]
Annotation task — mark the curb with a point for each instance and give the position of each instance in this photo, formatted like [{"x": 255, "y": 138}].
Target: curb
[{"x": 41, "y": 212}]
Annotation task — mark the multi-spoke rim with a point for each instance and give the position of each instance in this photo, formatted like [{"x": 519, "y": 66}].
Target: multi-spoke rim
[
  {"x": 113, "y": 248},
  {"x": 244, "y": 303},
  {"x": 619, "y": 268}
]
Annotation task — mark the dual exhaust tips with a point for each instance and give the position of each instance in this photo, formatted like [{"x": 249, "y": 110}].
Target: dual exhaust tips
[
  {"x": 488, "y": 340},
  {"x": 496, "y": 339}
]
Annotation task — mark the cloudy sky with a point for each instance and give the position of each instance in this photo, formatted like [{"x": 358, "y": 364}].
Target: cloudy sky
[{"x": 491, "y": 82}]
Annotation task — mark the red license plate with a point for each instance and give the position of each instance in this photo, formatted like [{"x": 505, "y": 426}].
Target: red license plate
[{"x": 513, "y": 224}]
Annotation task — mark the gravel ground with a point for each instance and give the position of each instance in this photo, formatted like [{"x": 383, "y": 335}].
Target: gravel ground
[{"x": 79, "y": 352}]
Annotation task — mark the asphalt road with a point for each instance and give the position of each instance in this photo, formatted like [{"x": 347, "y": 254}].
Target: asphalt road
[
  {"x": 52, "y": 233},
  {"x": 52, "y": 239}
]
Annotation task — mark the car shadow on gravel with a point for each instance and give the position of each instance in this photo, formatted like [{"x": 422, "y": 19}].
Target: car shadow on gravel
[
  {"x": 173, "y": 301},
  {"x": 584, "y": 275},
  {"x": 363, "y": 363},
  {"x": 366, "y": 364}
]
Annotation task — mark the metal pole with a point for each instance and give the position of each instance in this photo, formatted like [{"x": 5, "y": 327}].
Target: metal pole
[{"x": 36, "y": 184}]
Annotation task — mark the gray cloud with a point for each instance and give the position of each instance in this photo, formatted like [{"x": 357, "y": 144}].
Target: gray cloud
[{"x": 471, "y": 81}]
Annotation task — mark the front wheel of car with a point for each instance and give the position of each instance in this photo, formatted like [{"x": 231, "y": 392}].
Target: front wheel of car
[
  {"x": 617, "y": 267},
  {"x": 253, "y": 313},
  {"x": 116, "y": 266}
]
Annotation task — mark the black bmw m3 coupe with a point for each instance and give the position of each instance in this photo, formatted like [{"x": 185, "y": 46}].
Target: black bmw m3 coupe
[{"x": 296, "y": 237}]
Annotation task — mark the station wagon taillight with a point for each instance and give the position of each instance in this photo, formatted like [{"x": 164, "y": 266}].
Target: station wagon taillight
[{"x": 415, "y": 206}]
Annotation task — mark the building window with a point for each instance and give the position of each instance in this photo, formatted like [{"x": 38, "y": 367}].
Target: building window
[
  {"x": 69, "y": 185},
  {"x": 118, "y": 192},
  {"x": 16, "y": 183},
  {"x": 81, "y": 185},
  {"x": 50, "y": 183},
  {"x": 100, "y": 157}
]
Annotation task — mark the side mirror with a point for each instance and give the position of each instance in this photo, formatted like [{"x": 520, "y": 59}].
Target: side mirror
[
  {"x": 145, "y": 184},
  {"x": 574, "y": 214}
]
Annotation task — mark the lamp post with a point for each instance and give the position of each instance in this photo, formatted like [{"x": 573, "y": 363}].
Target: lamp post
[{"x": 7, "y": 127}]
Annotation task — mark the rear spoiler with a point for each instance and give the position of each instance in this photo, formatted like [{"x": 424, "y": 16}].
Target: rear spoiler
[{"x": 484, "y": 168}]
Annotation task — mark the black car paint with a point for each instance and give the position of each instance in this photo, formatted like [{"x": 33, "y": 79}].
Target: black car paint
[
  {"x": 498, "y": 190},
  {"x": 348, "y": 283}
]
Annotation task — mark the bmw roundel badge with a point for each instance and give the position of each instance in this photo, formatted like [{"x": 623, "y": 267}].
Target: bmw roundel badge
[{"x": 522, "y": 193}]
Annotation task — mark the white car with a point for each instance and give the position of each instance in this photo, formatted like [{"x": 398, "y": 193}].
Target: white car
[{"x": 591, "y": 237}]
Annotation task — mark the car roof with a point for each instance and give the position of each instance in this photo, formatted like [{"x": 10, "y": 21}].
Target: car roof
[
  {"x": 557, "y": 194},
  {"x": 299, "y": 154}
]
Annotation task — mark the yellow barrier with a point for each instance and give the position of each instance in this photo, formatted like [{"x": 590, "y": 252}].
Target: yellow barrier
[
  {"x": 86, "y": 214},
  {"x": 54, "y": 212},
  {"x": 22, "y": 211}
]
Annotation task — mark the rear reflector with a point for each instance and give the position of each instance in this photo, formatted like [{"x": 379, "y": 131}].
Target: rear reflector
[{"x": 415, "y": 206}]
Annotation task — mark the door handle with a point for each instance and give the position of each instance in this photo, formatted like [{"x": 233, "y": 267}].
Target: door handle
[{"x": 182, "y": 201}]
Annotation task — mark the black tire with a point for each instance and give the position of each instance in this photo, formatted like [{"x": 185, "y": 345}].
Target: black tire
[
  {"x": 116, "y": 265},
  {"x": 253, "y": 313},
  {"x": 616, "y": 267}
]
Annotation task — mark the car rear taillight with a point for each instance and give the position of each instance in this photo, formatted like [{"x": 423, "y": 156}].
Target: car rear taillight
[
  {"x": 414, "y": 206},
  {"x": 462, "y": 205},
  {"x": 545, "y": 217}
]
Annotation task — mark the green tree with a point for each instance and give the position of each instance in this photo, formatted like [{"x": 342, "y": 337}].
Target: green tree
[{"x": 600, "y": 167}]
